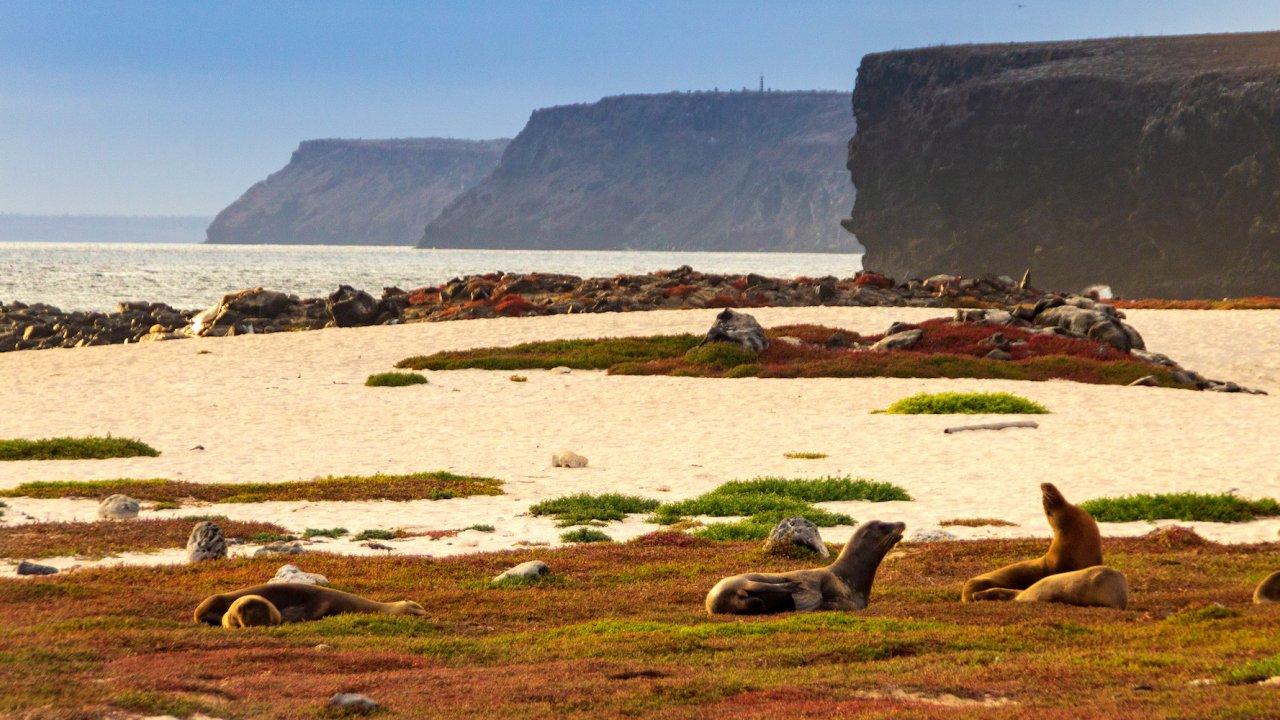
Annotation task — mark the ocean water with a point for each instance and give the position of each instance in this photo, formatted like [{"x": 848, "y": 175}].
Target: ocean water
[{"x": 84, "y": 276}]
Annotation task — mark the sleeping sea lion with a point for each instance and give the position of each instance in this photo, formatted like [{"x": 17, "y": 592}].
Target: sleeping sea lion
[
  {"x": 251, "y": 611},
  {"x": 1268, "y": 591},
  {"x": 1076, "y": 545},
  {"x": 843, "y": 585},
  {"x": 1097, "y": 586},
  {"x": 295, "y": 602}
]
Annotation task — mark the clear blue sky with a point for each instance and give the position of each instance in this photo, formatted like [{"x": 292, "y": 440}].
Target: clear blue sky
[{"x": 175, "y": 107}]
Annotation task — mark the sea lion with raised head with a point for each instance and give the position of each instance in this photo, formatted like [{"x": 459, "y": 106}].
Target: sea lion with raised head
[
  {"x": 251, "y": 611},
  {"x": 296, "y": 602},
  {"x": 1097, "y": 586},
  {"x": 843, "y": 585},
  {"x": 1268, "y": 591},
  {"x": 1076, "y": 545}
]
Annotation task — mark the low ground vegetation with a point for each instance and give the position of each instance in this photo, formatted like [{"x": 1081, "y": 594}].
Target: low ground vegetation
[
  {"x": 1187, "y": 506},
  {"x": 105, "y": 537},
  {"x": 972, "y": 403},
  {"x": 804, "y": 455},
  {"x": 620, "y": 631},
  {"x": 73, "y": 448},
  {"x": 584, "y": 535},
  {"x": 395, "y": 379},
  {"x": 1242, "y": 303},
  {"x": 585, "y": 508},
  {"x": 412, "y": 486},
  {"x": 976, "y": 522},
  {"x": 947, "y": 349}
]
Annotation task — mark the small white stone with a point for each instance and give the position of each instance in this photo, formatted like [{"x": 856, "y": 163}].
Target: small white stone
[
  {"x": 525, "y": 571},
  {"x": 560, "y": 370},
  {"x": 291, "y": 574}
]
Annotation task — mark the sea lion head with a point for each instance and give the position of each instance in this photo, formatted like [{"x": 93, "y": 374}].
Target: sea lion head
[
  {"x": 730, "y": 597},
  {"x": 407, "y": 607},
  {"x": 1053, "y": 499},
  {"x": 212, "y": 608},
  {"x": 878, "y": 536}
]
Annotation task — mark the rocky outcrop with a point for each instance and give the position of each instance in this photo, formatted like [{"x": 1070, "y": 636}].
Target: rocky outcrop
[
  {"x": 1150, "y": 164},
  {"x": 356, "y": 192},
  {"x": 686, "y": 171}
]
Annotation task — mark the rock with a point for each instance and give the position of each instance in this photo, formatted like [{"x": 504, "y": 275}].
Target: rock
[
  {"x": 934, "y": 535},
  {"x": 560, "y": 370},
  {"x": 568, "y": 459},
  {"x": 289, "y": 547},
  {"x": 741, "y": 328},
  {"x": 826, "y": 290},
  {"x": 118, "y": 507},
  {"x": 1145, "y": 381},
  {"x": 998, "y": 354},
  {"x": 349, "y": 307},
  {"x": 206, "y": 542},
  {"x": 524, "y": 571},
  {"x": 30, "y": 568},
  {"x": 353, "y": 703},
  {"x": 291, "y": 574},
  {"x": 257, "y": 303},
  {"x": 798, "y": 532},
  {"x": 904, "y": 340}
]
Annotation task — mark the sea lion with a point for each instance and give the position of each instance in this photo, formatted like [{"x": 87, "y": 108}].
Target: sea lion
[
  {"x": 1268, "y": 591},
  {"x": 1097, "y": 586},
  {"x": 1076, "y": 545},
  {"x": 843, "y": 585},
  {"x": 251, "y": 611},
  {"x": 296, "y": 602}
]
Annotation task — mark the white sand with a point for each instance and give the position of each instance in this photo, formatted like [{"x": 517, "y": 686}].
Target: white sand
[{"x": 293, "y": 407}]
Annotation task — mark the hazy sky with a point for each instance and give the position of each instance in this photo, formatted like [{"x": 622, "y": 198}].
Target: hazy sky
[{"x": 173, "y": 107}]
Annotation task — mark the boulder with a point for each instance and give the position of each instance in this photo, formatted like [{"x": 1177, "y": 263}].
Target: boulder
[
  {"x": 206, "y": 542},
  {"x": 904, "y": 340},
  {"x": 741, "y": 328},
  {"x": 347, "y": 703},
  {"x": 257, "y": 302},
  {"x": 289, "y": 547},
  {"x": 348, "y": 307},
  {"x": 30, "y": 568},
  {"x": 118, "y": 507},
  {"x": 291, "y": 574},
  {"x": 798, "y": 532},
  {"x": 524, "y": 571},
  {"x": 568, "y": 459}
]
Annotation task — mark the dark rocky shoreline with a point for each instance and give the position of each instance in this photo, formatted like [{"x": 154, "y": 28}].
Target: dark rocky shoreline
[{"x": 38, "y": 326}]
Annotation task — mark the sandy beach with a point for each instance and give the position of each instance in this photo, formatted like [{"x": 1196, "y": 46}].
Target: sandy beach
[{"x": 292, "y": 406}]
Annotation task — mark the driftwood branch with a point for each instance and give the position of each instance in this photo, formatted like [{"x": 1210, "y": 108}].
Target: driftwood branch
[{"x": 994, "y": 426}]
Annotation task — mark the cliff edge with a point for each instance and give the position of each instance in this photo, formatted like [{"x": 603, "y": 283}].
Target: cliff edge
[
  {"x": 356, "y": 192},
  {"x": 1151, "y": 164},
  {"x": 679, "y": 171}
]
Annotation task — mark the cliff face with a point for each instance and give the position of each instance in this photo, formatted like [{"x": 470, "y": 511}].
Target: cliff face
[
  {"x": 356, "y": 192},
  {"x": 1150, "y": 164},
  {"x": 700, "y": 171}
]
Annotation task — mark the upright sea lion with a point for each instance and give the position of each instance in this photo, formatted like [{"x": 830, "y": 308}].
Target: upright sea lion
[
  {"x": 251, "y": 611},
  {"x": 296, "y": 602},
  {"x": 1268, "y": 591},
  {"x": 843, "y": 585},
  {"x": 1097, "y": 586},
  {"x": 1076, "y": 545}
]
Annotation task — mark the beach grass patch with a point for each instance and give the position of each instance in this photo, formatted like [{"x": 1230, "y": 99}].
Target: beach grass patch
[
  {"x": 73, "y": 448},
  {"x": 584, "y": 535},
  {"x": 585, "y": 508},
  {"x": 976, "y": 522},
  {"x": 324, "y": 532},
  {"x": 597, "y": 354},
  {"x": 767, "y": 500},
  {"x": 375, "y": 534},
  {"x": 804, "y": 455},
  {"x": 1204, "y": 507},
  {"x": 410, "y": 486},
  {"x": 971, "y": 403},
  {"x": 395, "y": 379},
  {"x": 103, "y": 538},
  {"x": 721, "y": 355},
  {"x": 1253, "y": 672},
  {"x": 484, "y": 528}
]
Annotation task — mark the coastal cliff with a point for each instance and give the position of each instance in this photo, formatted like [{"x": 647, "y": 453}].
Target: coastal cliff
[
  {"x": 1150, "y": 164},
  {"x": 680, "y": 171},
  {"x": 356, "y": 192}
]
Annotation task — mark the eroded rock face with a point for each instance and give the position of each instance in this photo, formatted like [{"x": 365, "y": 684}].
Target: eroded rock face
[
  {"x": 349, "y": 307},
  {"x": 1151, "y": 164},
  {"x": 568, "y": 459},
  {"x": 796, "y": 532},
  {"x": 206, "y": 542},
  {"x": 291, "y": 574}
]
